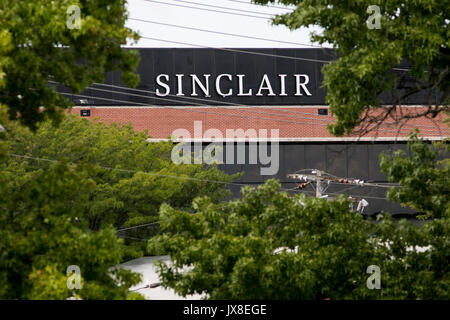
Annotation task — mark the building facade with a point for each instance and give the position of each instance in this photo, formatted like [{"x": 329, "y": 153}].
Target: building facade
[{"x": 245, "y": 100}]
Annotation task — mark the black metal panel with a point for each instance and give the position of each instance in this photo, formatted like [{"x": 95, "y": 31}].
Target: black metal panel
[
  {"x": 204, "y": 62},
  {"x": 351, "y": 160},
  {"x": 312, "y": 70},
  {"x": 336, "y": 156},
  {"x": 163, "y": 63},
  {"x": 316, "y": 156},
  {"x": 252, "y": 171},
  {"x": 265, "y": 65},
  {"x": 287, "y": 67},
  {"x": 234, "y": 167},
  {"x": 358, "y": 161},
  {"x": 374, "y": 167},
  {"x": 183, "y": 61},
  {"x": 248, "y": 67},
  {"x": 146, "y": 71},
  {"x": 109, "y": 77},
  {"x": 253, "y": 65},
  {"x": 292, "y": 159},
  {"x": 225, "y": 63},
  {"x": 374, "y": 153}
]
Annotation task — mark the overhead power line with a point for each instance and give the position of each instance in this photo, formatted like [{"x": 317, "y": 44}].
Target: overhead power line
[
  {"x": 406, "y": 126},
  {"x": 173, "y": 177},
  {"x": 193, "y": 103},
  {"x": 139, "y": 226},
  {"x": 252, "y": 52},
  {"x": 138, "y": 171},
  {"x": 236, "y": 104},
  {"x": 237, "y": 50},
  {"x": 322, "y": 180},
  {"x": 220, "y": 7},
  {"x": 184, "y": 109},
  {"x": 266, "y": 5},
  {"x": 178, "y": 42},
  {"x": 226, "y": 33},
  {"x": 205, "y": 105},
  {"x": 220, "y": 113},
  {"x": 210, "y": 10},
  {"x": 249, "y": 52},
  {"x": 202, "y": 100},
  {"x": 246, "y": 108},
  {"x": 132, "y": 238}
]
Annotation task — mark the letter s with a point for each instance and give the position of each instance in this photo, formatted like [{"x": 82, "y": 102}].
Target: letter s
[{"x": 162, "y": 84}]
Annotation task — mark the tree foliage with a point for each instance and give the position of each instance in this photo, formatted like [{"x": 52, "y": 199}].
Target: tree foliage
[
  {"x": 65, "y": 191},
  {"x": 231, "y": 247},
  {"x": 42, "y": 234},
  {"x": 416, "y": 32},
  {"x": 131, "y": 177},
  {"x": 39, "y": 41},
  {"x": 424, "y": 176},
  {"x": 271, "y": 245}
]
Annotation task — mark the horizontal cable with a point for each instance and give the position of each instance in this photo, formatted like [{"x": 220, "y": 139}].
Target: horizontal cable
[
  {"x": 136, "y": 171},
  {"x": 257, "y": 4},
  {"x": 179, "y": 108},
  {"x": 139, "y": 226},
  {"x": 279, "y": 109},
  {"x": 169, "y": 176},
  {"x": 225, "y": 33},
  {"x": 221, "y": 113},
  {"x": 210, "y": 10},
  {"x": 220, "y": 7},
  {"x": 204, "y": 105},
  {"x": 203, "y": 100},
  {"x": 249, "y": 52},
  {"x": 132, "y": 238},
  {"x": 237, "y": 50}
]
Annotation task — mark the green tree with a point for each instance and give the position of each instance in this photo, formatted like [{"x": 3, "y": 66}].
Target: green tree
[
  {"x": 131, "y": 176},
  {"x": 232, "y": 248},
  {"x": 41, "y": 235},
  {"x": 424, "y": 176},
  {"x": 414, "y": 31},
  {"x": 270, "y": 245},
  {"x": 40, "y": 41},
  {"x": 416, "y": 258}
]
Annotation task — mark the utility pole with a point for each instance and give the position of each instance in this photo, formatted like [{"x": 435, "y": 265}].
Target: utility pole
[
  {"x": 316, "y": 176},
  {"x": 321, "y": 178}
]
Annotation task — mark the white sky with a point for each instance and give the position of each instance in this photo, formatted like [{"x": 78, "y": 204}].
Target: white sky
[{"x": 160, "y": 12}]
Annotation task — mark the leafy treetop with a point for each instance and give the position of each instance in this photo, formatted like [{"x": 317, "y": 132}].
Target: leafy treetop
[
  {"x": 37, "y": 45},
  {"x": 413, "y": 31}
]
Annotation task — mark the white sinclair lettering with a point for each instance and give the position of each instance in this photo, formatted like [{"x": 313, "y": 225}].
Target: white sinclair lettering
[{"x": 203, "y": 84}]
